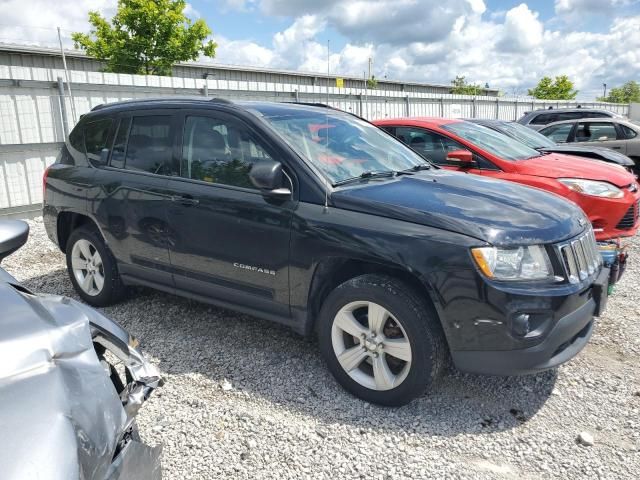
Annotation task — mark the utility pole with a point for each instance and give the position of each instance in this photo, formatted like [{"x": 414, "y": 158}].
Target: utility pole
[
  {"x": 66, "y": 74},
  {"x": 604, "y": 86},
  {"x": 328, "y": 68},
  {"x": 366, "y": 98}
]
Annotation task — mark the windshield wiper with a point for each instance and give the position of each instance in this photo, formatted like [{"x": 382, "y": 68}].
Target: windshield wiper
[{"x": 367, "y": 174}]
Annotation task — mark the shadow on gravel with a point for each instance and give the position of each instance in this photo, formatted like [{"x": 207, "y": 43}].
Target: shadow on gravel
[{"x": 271, "y": 362}]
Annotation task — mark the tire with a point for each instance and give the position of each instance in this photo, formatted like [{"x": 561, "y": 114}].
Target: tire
[
  {"x": 409, "y": 321},
  {"x": 100, "y": 293}
]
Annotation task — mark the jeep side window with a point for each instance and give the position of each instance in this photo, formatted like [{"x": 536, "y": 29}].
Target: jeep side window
[
  {"x": 95, "y": 139},
  {"x": 219, "y": 151},
  {"x": 150, "y": 146},
  {"x": 430, "y": 145}
]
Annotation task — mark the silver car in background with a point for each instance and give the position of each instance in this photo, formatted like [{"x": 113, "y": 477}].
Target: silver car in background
[
  {"x": 71, "y": 384},
  {"x": 537, "y": 119},
  {"x": 618, "y": 134}
]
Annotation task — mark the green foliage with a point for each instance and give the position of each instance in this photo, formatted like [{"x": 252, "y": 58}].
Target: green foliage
[
  {"x": 627, "y": 93},
  {"x": 372, "y": 83},
  {"x": 559, "y": 89},
  {"x": 146, "y": 37},
  {"x": 461, "y": 87}
]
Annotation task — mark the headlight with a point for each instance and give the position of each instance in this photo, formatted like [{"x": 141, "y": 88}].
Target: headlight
[
  {"x": 520, "y": 263},
  {"x": 592, "y": 187}
]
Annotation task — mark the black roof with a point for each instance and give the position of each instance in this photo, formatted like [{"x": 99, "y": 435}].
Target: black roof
[{"x": 164, "y": 102}]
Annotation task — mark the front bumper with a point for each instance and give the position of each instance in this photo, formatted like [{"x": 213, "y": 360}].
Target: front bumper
[
  {"x": 565, "y": 340},
  {"x": 612, "y": 218}
]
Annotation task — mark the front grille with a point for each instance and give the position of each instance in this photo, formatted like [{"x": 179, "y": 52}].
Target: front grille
[
  {"x": 630, "y": 218},
  {"x": 580, "y": 256}
]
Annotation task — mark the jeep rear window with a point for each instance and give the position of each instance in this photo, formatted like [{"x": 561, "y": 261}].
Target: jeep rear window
[
  {"x": 341, "y": 146},
  {"x": 149, "y": 148},
  {"x": 496, "y": 143},
  {"x": 95, "y": 139}
]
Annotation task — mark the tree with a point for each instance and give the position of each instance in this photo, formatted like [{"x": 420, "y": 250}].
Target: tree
[
  {"x": 146, "y": 37},
  {"x": 461, "y": 87},
  {"x": 372, "y": 82},
  {"x": 559, "y": 89},
  {"x": 627, "y": 93}
]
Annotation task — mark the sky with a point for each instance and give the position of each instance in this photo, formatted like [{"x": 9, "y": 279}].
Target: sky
[{"x": 507, "y": 44}]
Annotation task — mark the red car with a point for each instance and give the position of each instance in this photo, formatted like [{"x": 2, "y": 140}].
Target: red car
[{"x": 607, "y": 193}]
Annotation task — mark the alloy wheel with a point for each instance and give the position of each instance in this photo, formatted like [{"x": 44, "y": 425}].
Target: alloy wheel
[
  {"x": 371, "y": 345},
  {"x": 87, "y": 267}
]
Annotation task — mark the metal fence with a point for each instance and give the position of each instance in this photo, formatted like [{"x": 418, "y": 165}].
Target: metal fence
[{"x": 36, "y": 114}]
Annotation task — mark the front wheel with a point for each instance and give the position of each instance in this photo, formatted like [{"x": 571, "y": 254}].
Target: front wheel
[{"x": 381, "y": 341}]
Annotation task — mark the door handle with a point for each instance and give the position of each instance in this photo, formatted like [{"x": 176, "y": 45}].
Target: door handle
[
  {"x": 616, "y": 148},
  {"x": 186, "y": 200}
]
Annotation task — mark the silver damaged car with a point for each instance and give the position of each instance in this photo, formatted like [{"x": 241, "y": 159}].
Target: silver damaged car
[{"x": 71, "y": 384}]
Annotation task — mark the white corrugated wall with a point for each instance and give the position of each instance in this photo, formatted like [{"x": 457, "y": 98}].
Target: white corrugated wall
[{"x": 31, "y": 122}]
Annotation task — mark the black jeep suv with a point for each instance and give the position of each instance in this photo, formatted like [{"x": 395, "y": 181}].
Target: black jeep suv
[{"x": 314, "y": 218}]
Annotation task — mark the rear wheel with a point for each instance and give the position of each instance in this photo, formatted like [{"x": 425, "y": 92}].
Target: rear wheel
[
  {"x": 382, "y": 342},
  {"x": 92, "y": 268}
]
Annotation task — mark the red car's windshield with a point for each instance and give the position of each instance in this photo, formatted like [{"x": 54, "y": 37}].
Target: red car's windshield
[{"x": 496, "y": 143}]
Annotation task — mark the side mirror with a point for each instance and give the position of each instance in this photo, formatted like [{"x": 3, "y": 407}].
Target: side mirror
[
  {"x": 464, "y": 157},
  {"x": 13, "y": 235},
  {"x": 268, "y": 177},
  {"x": 604, "y": 138}
]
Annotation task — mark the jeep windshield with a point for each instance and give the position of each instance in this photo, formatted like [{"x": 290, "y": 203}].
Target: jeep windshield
[
  {"x": 341, "y": 146},
  {"x": 491, "y": 141}
]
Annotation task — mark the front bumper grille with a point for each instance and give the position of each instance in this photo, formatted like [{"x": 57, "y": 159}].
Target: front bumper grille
[
  {"x": 580, "y": 256},
  {"x": 630, "y": 217}
]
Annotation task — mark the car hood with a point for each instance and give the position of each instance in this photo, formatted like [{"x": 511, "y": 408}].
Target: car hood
[
  {"x": 62, "y": 409},
  {"x": 610, "y": 155},
  {"x": 557, "y": 165},
  {"x": 495, "y": 211}
]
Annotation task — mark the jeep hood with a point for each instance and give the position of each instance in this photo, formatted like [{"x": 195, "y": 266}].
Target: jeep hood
[
  {"x": 557, "y": 165},
  {"x": 495, "y": 211}
]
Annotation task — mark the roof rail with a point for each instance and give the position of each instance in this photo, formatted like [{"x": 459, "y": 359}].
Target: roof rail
[
  {"x": 221, "y": 100},
  {"x": 312, "y": 104},
  {"x": 135, "y": 101}
]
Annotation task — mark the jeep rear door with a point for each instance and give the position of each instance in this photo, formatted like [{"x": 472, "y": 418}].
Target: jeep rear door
[
  {"x": 231, "y": 243},
  {"x": 129, "y": 197}
]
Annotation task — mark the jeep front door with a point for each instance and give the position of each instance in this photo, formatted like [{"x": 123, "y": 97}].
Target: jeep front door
[{"x": 231, "y": 242}]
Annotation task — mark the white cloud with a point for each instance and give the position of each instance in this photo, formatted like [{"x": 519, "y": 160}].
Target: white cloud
[
  {"x": 191, "y": 12},
  {"x": 522, "y": 31},
  {"x": 581, "y": 7},
  {"x": 35, "y": 21},
  {"x": 242, "y": 52}
]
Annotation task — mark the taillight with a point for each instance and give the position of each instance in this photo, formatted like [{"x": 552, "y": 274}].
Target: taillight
[{"x": 44, "y": 182}]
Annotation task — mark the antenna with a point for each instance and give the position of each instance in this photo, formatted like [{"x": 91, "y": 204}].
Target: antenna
[{"x": 326, "y": 187}]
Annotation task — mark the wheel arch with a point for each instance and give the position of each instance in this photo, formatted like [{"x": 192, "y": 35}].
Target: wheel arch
[
  {"x": 67, "y": 222},
  {"x": 332, "y": 272}
]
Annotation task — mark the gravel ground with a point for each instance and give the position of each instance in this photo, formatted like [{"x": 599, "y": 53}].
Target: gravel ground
[{"x": 249, "y": 399}]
